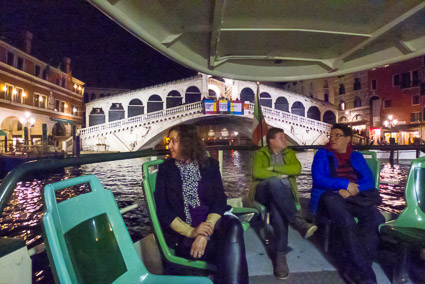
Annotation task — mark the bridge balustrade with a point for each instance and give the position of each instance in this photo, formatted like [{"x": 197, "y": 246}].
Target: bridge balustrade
[{"x": 268, "y": 112}]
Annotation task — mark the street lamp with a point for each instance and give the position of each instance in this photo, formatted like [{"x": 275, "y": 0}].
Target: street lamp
[
  {"x": 390, "y": 122},
  {"x": 27, "y": 122}
]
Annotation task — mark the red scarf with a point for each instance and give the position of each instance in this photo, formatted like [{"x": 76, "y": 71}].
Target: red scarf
[
  {"x": 344, "y": 168},
  {"x": 341, "y": 157}
]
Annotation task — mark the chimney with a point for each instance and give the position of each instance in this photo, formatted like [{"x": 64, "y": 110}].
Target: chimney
[
  {"x": 27, "y": 42},
  {"x": 66, "y": 64}
]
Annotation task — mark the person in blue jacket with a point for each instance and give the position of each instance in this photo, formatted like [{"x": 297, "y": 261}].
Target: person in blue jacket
[{"x": 344, "y": 188}]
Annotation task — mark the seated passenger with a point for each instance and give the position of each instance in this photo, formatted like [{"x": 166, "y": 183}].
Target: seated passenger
[
  {"x": 191, "y": 203},
  {"x": 274, "y": 171},
  {"x": 344, "y": 188}
]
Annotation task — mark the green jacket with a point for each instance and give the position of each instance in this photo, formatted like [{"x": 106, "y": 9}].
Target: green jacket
[{"x": 263, "y": 160}]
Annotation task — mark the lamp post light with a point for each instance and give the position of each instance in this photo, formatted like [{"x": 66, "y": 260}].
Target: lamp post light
[
  {"x": 390, "y": 122},
  {"x": 4, "y": 91},
  {"x": 27, "y": 121}
]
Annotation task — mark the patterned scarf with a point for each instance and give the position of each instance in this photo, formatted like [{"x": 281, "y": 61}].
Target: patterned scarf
[{"x": 190, "y": 176}]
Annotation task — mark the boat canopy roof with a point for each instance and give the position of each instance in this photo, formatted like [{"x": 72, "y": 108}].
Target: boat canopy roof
[{"x": 276, "y": 40}]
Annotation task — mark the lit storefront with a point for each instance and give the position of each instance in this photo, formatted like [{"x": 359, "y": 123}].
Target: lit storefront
[
  {"x": 402, "y": 137},
  {"x": 375, "y": 134}
]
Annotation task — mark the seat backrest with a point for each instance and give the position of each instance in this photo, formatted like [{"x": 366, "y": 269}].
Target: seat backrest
[
  {"x": 86, "y": 238},
  {"x": 414, "y": 213},
  {"x": 374, "y": 164},
  {"x": 149, "y": 182}
]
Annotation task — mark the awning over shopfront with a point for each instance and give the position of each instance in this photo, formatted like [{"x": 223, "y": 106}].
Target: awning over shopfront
[
  {"x": 63, "y": 120},
  {"x": 358, "y": 122},
  {"x": 2, "y": 133},
  {"x": 403, "y": 127}
]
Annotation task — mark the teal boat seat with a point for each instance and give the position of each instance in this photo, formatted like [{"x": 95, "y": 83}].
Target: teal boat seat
[
  {"x": 149, "y": 181},
  {"x": 87, "y": 241},
  {"x": 375, "y": 166},
  {"x": 409, "y": 228}
]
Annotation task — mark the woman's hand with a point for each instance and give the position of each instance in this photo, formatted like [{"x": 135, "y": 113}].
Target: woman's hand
[
  {"x": 198, "y": 246},
  {"x": 204, "y": 229}
]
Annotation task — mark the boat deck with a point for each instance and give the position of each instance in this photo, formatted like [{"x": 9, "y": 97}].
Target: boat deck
[{"x": 306, "y": 260}]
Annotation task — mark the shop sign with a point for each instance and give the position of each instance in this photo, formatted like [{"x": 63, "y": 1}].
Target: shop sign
[{"x": 223, "y": 107}]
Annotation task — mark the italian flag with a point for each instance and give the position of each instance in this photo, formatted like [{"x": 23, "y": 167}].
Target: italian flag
[{"x": 259, "y": 125}]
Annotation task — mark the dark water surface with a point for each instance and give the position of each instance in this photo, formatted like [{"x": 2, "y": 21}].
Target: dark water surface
[{"x": 21, "y": 218}]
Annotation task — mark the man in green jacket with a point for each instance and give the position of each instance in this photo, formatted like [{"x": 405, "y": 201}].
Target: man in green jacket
[{"x": 274, "y": 172}]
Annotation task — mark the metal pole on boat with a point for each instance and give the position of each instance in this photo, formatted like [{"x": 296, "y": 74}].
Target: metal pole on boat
[{"x": 220, "y": 160}]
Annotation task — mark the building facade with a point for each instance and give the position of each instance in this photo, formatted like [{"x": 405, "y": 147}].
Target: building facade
[
  {"x": 321, "y": 89},
  {"x": 38, "y": 103},
  {"x": 352, "y": 100},
  {"x": 398, "y": 90}
]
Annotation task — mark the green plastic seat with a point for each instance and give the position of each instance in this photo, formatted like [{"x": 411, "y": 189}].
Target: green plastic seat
[
  {"x": 87, "y": 241},
  {"x": 375, "y": 166},
  {"x": 409, "y": 228},
  {"x": 149, "y": 182}
]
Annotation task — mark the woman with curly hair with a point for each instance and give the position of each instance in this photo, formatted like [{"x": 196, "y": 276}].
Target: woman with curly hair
[{"x": 191, "y": 204}]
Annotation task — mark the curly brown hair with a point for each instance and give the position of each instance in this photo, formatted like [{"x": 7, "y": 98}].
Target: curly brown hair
[{"x": 191, "y": 145}]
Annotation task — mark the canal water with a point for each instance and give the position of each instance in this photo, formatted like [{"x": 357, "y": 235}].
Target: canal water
[{"x": 21, "y": 218}]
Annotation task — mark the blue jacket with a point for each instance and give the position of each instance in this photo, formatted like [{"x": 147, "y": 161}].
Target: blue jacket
[{"x": 322, "y": 180}]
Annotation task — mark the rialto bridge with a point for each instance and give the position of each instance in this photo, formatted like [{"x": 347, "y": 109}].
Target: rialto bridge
[{"x": 139, "y": 119}]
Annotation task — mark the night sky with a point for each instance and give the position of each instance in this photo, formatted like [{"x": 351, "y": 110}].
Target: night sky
[{"x": 102, "y": 53}]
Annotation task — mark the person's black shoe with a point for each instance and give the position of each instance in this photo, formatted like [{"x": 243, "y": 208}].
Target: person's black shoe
[
  {"x": 281, "y": 269},
  {"x": 305, "y": 228}
]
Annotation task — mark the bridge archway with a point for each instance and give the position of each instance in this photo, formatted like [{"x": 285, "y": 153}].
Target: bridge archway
[
  {"x": 96, "y": 116},
  {"x": 155, "y": 103},
  {"x": 192, "y": 95},
  {"x": 313, "y": 113},
  {"x": 173, "y": 99},
  {"x": 298, "y": 109},
  {"x": 282, "y": 104},
  {"x": 135, "y": 107},
  {"x": 116, "y": 112},
  {"x": 212, "y": 95},
  {"x": 247, "y": 94},
  {"x": 329, "y": 117},
  {"x": 266, "y": 100}
]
